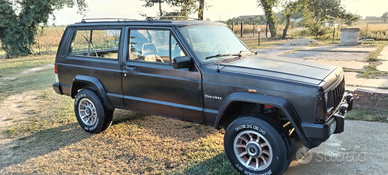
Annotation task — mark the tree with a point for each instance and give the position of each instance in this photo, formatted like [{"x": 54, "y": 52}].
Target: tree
[
  {"x": 269, "y": 14},
  {"x": 186, "y": 7},
  {"x": 20, "y": 20},
  {"x": 290, "y": 7},
  {"x": 319, "y": 12},
  {"x": 261, "y": 20},
  {"x": 384, "y": 16},
  {"x": 151, "y": 3}
]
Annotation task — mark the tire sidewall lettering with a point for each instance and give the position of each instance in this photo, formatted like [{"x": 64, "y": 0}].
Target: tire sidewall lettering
[
  {"x": 78, "y": 97},
  {"x": 248, "y": 126},
  {"x": 93, "y": 127}
]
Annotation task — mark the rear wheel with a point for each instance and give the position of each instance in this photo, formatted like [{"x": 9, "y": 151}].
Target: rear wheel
[
  {"x": 257, "y": 145},
  {"x": 90, "y": 112}
]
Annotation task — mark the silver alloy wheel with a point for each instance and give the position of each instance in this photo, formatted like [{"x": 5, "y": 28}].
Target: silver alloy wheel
[
  {"x": 252, "y": 150},
  {"x": 87, "y": 112}
]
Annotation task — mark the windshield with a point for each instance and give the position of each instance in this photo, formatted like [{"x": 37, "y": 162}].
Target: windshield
[{"x": 210, "y": 40}]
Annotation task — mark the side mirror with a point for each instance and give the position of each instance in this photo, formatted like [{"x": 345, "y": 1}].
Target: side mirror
[{"x": 181, "y": 62}]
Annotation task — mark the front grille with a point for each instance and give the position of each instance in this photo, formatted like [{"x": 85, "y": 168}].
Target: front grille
[
  {"x": 338, "y": 93},
  {"x": 333, "y": 100}
]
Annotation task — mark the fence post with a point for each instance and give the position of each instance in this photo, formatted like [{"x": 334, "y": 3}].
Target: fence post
[{"x": 242, "y": 28}]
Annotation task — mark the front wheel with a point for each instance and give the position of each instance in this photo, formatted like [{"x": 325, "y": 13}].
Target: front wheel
[{"x": 255, "y": 146}]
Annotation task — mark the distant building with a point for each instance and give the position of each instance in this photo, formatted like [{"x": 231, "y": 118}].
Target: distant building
[
  {"x": 249, "y": 16},
  {"x": 372, "y": 18}
]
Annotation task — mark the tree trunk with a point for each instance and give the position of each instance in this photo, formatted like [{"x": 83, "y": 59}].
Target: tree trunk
[
  {"x": 270, "y": 17},
  {"x": 160, "y": 8},
  {"x": 286, "y": 28},
  {"x": 272, "y": 27},
  {"x": 201, "y": 8}
]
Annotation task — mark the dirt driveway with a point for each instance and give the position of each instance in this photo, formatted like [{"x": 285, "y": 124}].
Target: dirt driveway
[{"x": 361, "y": 149}]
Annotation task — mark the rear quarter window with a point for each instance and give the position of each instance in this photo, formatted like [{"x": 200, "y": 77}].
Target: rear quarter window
[{"x": 96, "y": 43}]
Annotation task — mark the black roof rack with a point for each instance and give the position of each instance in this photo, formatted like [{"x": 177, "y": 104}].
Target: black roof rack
[
  {"x": 150, "y": 18},
  {"x": 163, "y": 19},
  {"x": 106, "y": 19}
]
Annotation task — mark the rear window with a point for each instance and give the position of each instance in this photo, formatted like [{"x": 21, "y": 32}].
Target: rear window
[{"x": 96, "y": 43}]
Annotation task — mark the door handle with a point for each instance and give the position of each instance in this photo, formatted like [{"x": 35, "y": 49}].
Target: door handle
[{"x": 127, "y": 68}]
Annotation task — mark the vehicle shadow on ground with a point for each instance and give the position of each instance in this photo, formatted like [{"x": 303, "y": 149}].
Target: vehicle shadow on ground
[
  {"x": 164, "y": 127},
  {"x": 40, "y": 143}
]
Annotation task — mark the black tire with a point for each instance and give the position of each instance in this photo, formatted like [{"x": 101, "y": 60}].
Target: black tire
[
  {"x": 259, "y": 140},
  {"x": 91, "y": 114}
]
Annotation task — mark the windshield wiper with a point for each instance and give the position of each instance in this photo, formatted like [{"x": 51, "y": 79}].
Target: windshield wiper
[{"x": 223, "y": 55}]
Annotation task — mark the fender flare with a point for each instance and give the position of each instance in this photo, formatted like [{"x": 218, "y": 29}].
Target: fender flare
[
  {"x": 95, "y": 82},
  {"x": 277, "y": 102}
]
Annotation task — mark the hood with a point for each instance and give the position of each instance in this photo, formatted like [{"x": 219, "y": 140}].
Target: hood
[{"x": 301, "y": 71}]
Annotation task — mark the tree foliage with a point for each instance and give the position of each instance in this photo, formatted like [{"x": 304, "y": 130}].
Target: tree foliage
[
  {"x": 19, "y": 22},
  {"x": 151, "y": 3},
  {"x": 319, "y": 12},
  {"x": 185, "y": 7}
]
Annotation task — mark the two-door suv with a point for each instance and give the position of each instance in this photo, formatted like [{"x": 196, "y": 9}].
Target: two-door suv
[{"x": 199, "y": 71}]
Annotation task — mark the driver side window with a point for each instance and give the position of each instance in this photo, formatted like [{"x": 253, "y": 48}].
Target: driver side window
[{"x": 153, "y": 46}]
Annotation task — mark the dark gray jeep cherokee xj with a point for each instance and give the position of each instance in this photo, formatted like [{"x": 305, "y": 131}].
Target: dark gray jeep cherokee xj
[{"x": 199, "y": 71}]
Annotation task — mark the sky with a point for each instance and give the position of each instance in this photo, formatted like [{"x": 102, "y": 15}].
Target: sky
[{"x": 219, "y": 10}]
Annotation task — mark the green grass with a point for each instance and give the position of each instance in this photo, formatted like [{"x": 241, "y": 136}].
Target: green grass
[
  {"x": 368, "y": 115},
  {"x": 20, "y": 64},
  {"x": 47, "y": 111},
  {"x": 36, "y": 81},
  {"x": 379, "y": 47},
  {"x": 209, "y": 159},
  {"x": 370, "y": 71},
  {"x": 15, "y": 80}
]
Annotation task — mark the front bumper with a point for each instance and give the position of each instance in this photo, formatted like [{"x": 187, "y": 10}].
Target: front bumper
[{"x": 336, "y": 124}]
